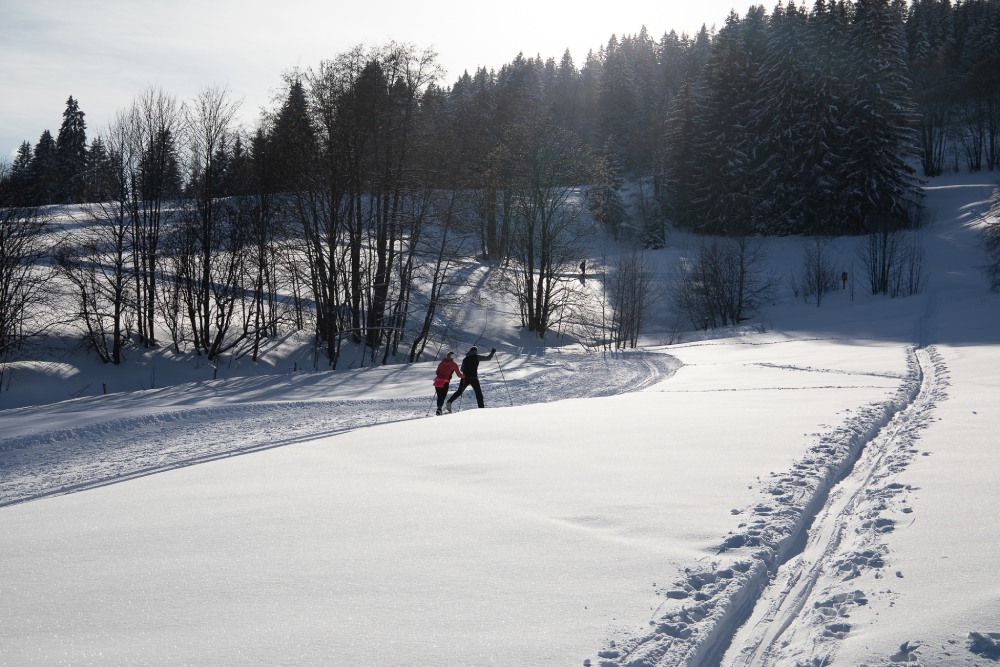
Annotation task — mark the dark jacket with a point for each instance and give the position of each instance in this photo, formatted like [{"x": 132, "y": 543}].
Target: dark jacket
[{"x": 470, "y": 365}]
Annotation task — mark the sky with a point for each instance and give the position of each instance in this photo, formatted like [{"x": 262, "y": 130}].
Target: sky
[{"x": 106, "y": 52}]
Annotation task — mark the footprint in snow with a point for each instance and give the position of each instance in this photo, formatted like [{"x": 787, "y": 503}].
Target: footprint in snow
[
  {"x": 906, "y": 653},
  {"x": 985, "y": 644}
]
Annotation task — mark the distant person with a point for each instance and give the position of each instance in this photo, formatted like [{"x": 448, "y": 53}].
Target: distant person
[
  {"x": 470, "y": 368},
  {"x": 443, "y": 378}
]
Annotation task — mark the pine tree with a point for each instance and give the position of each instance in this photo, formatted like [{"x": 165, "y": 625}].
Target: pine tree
[{"x": 71, "y": 154}]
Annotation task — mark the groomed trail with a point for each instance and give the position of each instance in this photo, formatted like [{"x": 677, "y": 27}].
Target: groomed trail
[
  {"x": 187, "y": 425},
  {"x": 741, "y": 609},
  {"x": 856, "y": 508}
]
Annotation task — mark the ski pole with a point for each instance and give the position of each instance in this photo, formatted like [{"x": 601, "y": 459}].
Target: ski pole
[{"x": 504, "y": 381}]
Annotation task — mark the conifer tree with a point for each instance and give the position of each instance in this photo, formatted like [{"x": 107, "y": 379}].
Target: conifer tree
[
  {"x": 678, "y": 166},
  {"x": 673, "y": 56},
  {"x": 603, "y": 197},
  {"x": 292, "y": 141},
  {"x": 44, "y": 170},
  {"x": 723, "y": 184},
  {"x": 878, "y": 181},
  {"x": 797, "y": 128},
  {"x": 98, "y": 166},
  {"x": 616, "y": 100},
  {"x": 565, "y": 95},
  {"x": 21, "y": 185},
  {"x": 71, "y": 154}
]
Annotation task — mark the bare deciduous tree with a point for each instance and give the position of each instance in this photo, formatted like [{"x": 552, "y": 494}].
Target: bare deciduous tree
[
  {"x": 724, "y": 282},
  {"x": 211, "y": 243},
  {"x": 547, "y": 234},
  {"x": 631, "y": 294},
  {"x": 894, "y": 259},
  {"x": 22, "y": 275},
  {"x": 817, "y": 275},
  {"x": 96, "y": 260},
  {"x": 149, "y": 133}
]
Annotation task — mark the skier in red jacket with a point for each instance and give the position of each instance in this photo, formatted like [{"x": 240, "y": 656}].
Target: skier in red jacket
[{"x": 443, "y": 377}]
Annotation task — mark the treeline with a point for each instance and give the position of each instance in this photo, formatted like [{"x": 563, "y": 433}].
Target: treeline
[
  {"x": 778, "y": 123},
  {"x": 806, "y": 120}
]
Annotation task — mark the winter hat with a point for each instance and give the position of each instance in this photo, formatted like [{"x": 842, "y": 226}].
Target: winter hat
[
  {"x": 450, "y": 354},
  {"x": 473, "y": 349}
]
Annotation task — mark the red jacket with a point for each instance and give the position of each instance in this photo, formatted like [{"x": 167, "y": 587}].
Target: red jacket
[{"x": 444, "y": 371}]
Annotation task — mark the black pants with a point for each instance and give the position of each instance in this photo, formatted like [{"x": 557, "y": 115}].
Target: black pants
[
  {"x": 442, "y": 393},
  {"x": 469, "y": 382}
]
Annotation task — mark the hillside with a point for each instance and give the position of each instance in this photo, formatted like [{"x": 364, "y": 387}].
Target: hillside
[{"x": 623, "y": 509}]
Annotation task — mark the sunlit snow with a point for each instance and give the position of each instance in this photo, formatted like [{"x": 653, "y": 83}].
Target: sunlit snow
[{"x": 619, "y": 509}]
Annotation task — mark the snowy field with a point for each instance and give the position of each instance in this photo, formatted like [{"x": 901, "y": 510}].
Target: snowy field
[{"x": 819, "y": 489}]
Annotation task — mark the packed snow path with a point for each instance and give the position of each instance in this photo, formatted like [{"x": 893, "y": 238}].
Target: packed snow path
[
  {"x": 163, "y": 431},
  {"x": 768, "y": 569},
  {"x": 855, "y": 507}
]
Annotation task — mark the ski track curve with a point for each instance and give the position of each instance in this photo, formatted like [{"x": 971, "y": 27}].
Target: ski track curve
[
  {"x": 67, "y": 460},
  {"x": 742, "y": 606}
]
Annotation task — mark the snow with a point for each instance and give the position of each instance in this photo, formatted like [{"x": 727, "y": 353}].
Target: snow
[{"x": 623, "y": 509}]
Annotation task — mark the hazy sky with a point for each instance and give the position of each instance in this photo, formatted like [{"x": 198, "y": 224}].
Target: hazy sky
[{"x": 106, "y": 52}]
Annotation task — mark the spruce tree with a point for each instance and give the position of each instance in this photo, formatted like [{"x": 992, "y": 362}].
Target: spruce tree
[
  {"x": 22, "y": 187},
  {"x": 878, "y": 181},
  {"x": 292, "y": 141},
  {"x": 678, "y": 168},
  {"x": 98, "y": 171},
  {"x": 723, "y": 187},
  {"x": 796, "y": 128},
  {"x": 44, "y": 170},
  {"x": 71, "y": 154},
  {"x": 603, "y": 197},
  {"x": 565, "y": 95},
  {"x": 617, "y": 98}
]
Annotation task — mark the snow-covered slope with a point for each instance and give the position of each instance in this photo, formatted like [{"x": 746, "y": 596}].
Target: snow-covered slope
[{"x": 621, "y": 510}]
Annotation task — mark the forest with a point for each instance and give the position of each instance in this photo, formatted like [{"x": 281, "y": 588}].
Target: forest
[{"x": 348, "y": 209}]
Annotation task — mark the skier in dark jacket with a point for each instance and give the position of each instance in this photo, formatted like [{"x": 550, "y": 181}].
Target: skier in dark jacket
[
  {"x": 470, "y": 367},
  {"x": 443, "y": 377}
]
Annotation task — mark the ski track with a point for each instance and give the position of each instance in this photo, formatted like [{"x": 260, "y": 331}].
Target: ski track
[
  {"x": 764, "y": 584},
  {"x": 75, "y": 459}
]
